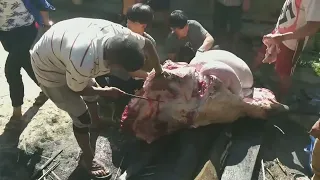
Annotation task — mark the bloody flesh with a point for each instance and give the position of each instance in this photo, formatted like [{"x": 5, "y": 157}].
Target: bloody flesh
[{"x": 191, "y": 100}]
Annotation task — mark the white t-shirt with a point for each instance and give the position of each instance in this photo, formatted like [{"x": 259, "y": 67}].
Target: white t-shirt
[
  {"x": 14, "y": 14},
  {"x": 71, "y": 51},
  {"x": 295, "y": 14}
]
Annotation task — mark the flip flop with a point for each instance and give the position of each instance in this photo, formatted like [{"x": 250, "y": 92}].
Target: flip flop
[{"x": 96, "y": 166}]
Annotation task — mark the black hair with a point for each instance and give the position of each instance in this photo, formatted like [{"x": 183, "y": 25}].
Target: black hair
[
  {"x": 178, "y": 19},
  {"x": 125, "y": 52},
  {"x": 141, "y": 13}
]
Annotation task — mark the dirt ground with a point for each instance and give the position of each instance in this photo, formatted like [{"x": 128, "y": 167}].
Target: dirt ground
[{"x": 48, "y": 130}]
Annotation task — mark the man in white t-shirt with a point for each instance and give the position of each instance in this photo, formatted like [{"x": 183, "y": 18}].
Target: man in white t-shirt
[
  {"x": 298, "y": 20},
  {"x": 71, "y": 54}
]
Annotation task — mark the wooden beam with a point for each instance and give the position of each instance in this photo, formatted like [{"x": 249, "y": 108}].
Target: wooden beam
[
  {"x": 208, "y": 172},
  {"x": 247, "y": 138}
]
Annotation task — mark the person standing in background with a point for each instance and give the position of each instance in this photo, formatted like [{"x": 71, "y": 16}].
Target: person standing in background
[
  {"x": 126, "y": 4},
  {"x": 18, "y": 19},
  {"x": 163, "y": 8},
  {"x": 229, "y": 13}
]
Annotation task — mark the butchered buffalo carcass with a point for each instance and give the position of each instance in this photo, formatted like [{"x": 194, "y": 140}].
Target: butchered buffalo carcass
[{"x": 192, "y": 98}]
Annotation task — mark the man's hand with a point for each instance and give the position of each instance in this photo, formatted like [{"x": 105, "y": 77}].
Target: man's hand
[
  {"x": 315, "y": 130},
  {"x": 274, "y": 38},
  {"x": 112, "y": 92}
]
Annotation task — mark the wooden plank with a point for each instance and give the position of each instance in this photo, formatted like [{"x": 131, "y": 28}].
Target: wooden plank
[
  {"x": 181, "y": 155},
  {"x": 247, "y": 138},
  {"x": 208, "y": 172}
]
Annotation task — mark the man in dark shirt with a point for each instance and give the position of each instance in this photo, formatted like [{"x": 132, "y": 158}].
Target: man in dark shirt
[{"x": 187, "y": 37}]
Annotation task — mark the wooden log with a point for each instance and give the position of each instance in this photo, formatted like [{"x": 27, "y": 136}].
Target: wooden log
[{"x": 208, "y": 172}]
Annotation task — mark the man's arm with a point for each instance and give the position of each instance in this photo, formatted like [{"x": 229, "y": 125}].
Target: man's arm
[
  {"x": 91, "y": 91},
  {"x": 139, "y": 74},
  {"x": 309, "y": 29},
  {"x": 153, "y": 59},
  {"x": 312, "y": 26},
  {"x": 45, "y": 18},
  {"x": 153, "y": 56},
  {"x": 201, "y": 31},
  {"x": 207, "y": 43}
]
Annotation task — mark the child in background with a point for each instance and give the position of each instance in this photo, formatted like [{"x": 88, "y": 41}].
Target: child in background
[{"x": 139, "y": 16}]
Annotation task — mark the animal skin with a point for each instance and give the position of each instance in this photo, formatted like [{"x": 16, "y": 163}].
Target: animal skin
[{"x": 193, "y": 98}]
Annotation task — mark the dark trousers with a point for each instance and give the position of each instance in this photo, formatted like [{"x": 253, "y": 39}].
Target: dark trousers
[
  {"x": 128, "y": 86},
  {"x": 17, "y": 43},
  {"x": 227, "y": 15}
]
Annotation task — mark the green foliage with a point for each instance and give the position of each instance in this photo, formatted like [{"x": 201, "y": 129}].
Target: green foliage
[{"x": 310, "y": 59}]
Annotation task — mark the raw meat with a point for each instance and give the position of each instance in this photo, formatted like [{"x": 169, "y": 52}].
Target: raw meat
[
  {"x": 191, "y": 99},
  {"x": 272, "y": 51}
]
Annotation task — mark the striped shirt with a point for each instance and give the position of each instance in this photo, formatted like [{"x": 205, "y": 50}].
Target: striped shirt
[
  {"x": 231, "y": 2},
  {"x": 71, "y": 52}
]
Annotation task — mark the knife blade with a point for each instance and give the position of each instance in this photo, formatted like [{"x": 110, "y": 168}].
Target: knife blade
[{"x": 140, "y": 97}]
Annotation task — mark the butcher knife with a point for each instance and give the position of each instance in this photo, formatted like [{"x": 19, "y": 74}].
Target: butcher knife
[{"x": 140, "y": 97}]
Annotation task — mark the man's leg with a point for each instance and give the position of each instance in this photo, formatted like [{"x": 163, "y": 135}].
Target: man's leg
[
  {"x": 220, "y": 18},
  {"x": 284, "y": 68},
  {"x": 16, "y": 88},
  {"x": 12, "y": 72},
  {"x": 316, "y": 160},
  {"x": 235, "y": 14},
  {"x": 72, "y": 103}
]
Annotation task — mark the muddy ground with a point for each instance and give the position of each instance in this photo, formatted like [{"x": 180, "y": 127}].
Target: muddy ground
[{"x": 48, "y": 130}]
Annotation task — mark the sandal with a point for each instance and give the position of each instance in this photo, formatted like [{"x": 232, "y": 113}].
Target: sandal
[
  {"x": 40, "y": 100},
  {"x": 93, "y": 171}
]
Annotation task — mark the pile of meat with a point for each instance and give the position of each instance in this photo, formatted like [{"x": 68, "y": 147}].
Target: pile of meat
[{"x": 191, "y": 99}]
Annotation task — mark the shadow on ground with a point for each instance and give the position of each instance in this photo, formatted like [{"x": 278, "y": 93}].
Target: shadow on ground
[{"x": 16, "y": 163}]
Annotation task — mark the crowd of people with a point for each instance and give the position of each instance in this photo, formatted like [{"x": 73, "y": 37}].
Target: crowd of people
[{"x": 80, "y": 59}]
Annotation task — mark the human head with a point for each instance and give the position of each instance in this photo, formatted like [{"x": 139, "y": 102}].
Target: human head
[
  {"x": 178, "y": 22},
  {"x": 138, "y": 17},
  {"x": 123, "y": 52}
]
